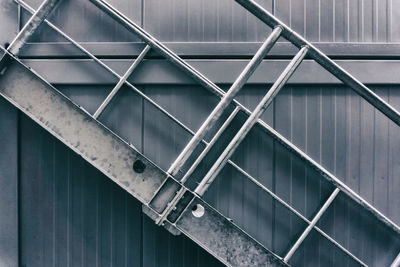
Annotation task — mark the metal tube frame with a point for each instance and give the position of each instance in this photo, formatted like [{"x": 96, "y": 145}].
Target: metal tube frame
[
  {"x": 27, "y": 31},
  {"x": 121, "y": 82},
  {"x": 323, "y": 60},
  {"x": 225, "y": 101},
  {"x": 263, "y": 125},
  {"x": 202, "y": 80},
  {"x": 102, "y": 64},
  {"x": 293, "y": 210},
  {"x": 250, "y": 122},
  {"x": 314, "y": 221},
  {"x": 210, "y": 145},
  {"x": 171, "y": 205}
]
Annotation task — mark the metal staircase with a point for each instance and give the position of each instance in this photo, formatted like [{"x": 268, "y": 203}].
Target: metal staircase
[{"x": 165, "y": 195}]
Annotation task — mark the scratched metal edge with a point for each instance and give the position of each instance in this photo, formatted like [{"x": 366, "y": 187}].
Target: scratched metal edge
[
  {"x": 136, "y": 184},
  {"x": 249, "y": 251}
]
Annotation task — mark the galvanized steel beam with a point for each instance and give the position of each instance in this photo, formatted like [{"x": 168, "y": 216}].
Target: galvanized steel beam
[
  {"x": 123, "y": 164},
  {"x": 79, "y": 131}
]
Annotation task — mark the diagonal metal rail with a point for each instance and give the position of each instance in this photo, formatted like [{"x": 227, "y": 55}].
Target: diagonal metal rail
[
  {"x": 117, "y": 160},
  {"x": 121, "y": 162},
  {"x": 27, "y": 31},
  {"x": 122, "y": 80},
  {"x": 250, "y": 122},
  {"x": 205, "y": 82},
  {"x": 296, "y": 39},
  {"x": 208, "y": 145}
]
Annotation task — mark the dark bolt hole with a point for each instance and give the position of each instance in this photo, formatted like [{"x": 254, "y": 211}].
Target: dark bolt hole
[
  {"x": 139, "y": 166},
  {"x": 6, "y": 45},
  {"x": 194, "y": 208}
]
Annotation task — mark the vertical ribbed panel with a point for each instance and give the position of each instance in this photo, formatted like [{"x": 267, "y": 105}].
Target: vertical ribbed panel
[{"x": 226, "y": 21}]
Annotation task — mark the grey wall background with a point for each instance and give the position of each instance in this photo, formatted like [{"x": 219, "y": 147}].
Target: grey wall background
[{"x": 56, "y": 210}]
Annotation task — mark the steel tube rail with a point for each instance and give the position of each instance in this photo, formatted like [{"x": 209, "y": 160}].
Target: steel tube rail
[
  {"x": 225, "y": 101},
  {"x": 102, "y": 64},
  {"x": 264, "y": 126},
  {"x": 31, "y": 25},
  {"x": 210, "y": 145},
  {"x": 28, "y": 30},
  {"x": 323, "y": 60},
  {"x": 157, "y": 46},
  {"x": 255, "y": 115},
  {"x": 298, "y": 214},
  {"x": 396, "y": 262},
  {"x": 121, "y": 82},
  {"x": 329, "y": 176},
  {"x": 311, "y": 225},
  {"x": 177, "y": 61},
  {"x": 160, "y": 220}
]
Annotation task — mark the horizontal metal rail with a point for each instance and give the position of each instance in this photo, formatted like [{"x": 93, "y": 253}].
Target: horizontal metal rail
[
  {"x": 178, "y": 62},
  {"x": 263, "y": 125},
  {"x": 225, "y": 101},
  {"x": 250, "y": 122},
  {"x": 323, "y": 60},
  {"x": 121, "y": 82}
]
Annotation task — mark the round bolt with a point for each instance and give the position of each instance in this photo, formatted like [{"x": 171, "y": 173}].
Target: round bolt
[
  {"x": 198, "y": 211},
  {"x": 139, "y": 166}
]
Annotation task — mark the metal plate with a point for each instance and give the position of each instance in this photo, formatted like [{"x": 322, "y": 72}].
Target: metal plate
[
  {"x": 224, "y": 239},
  {"x": 79, "y": 131}
]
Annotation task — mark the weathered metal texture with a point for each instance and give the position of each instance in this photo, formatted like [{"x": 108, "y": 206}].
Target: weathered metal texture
[
  {"x": 85, "y": 218},
  {"x": 73, "y": 215},
  {"x": 235, "y": 249},
  {"x": 345, "y": 174},
  {"x": 27, "y": 31},
  {"x": 31, "y": 26},
  {"x": 104, "y": 150},
  {"x": 79, "y": 131},
  {"x": 297, "y": 40}
]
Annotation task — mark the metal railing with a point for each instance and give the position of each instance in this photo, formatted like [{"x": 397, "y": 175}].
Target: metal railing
[{"x": 306, "y": 49}]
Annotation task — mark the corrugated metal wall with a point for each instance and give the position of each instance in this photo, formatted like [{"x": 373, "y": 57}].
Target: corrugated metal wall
[
  {"x": 71, "y": 215},
  {"x": 225, "y": 21}
]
